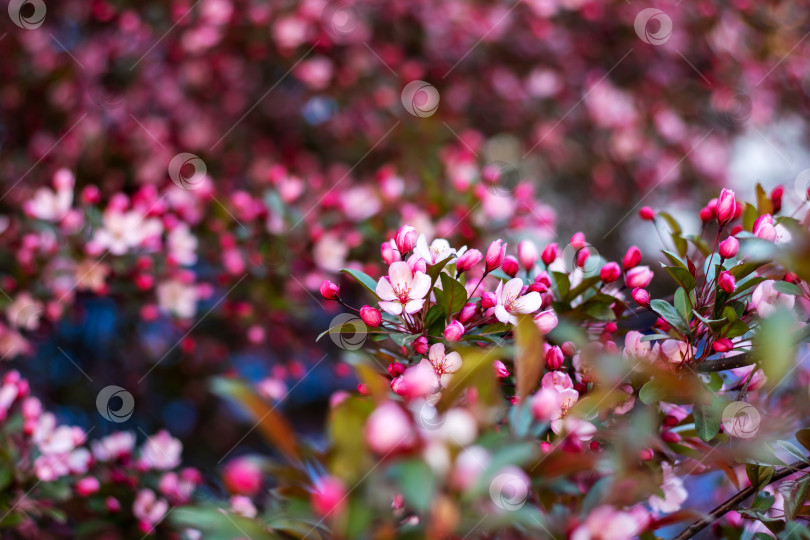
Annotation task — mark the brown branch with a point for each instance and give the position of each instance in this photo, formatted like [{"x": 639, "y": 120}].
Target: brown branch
[
  {"x": 731, "y": 503},
  {"x": 722, "y": 364}
]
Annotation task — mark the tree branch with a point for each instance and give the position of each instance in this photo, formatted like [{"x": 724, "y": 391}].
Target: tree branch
[
  {"x": 722, "y": 364},
  {"x": 731, "y": 503}
]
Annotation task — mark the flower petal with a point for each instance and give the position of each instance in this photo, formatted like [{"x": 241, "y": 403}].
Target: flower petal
[
  {"x": 384, "y": 290},
  {"x": 501, "y": 314},
  {"x": 414, "y": 305},
  {"x": 420, "y": 285},
  {"x": 394, "y": 308},
  {"x": 400, "y": 274},
  {"x": 452, "y": 362},
  {"x": 528, "y": 303},
  {"x": 436, "y": 353}
]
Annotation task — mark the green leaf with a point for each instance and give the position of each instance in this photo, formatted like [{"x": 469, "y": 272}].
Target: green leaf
[
  {"x": 795, "y": 531},
  {"x": 417, "y": 483},
  {"x": 402, "y": 339},
  {"x": 707, "y": 420},
  {"x": 792, "y": 449},
  {"x": 763, "y": 501},
  {"x": 795, "y": 496},
  {"x": 759, "y": 475},
  {"x": 583, "y": 286},
  {"x": 764, "y": 204},
  {"x": 670, "y": 314},
  {"x": 562, "y": 284},
  {"x": 675, "y": 259},
  {"x": 749, "y": 216},
  {"x": 736, "y": 329},
  {"x": 454, "y": 295},
  {"x": 652, "y": 392},
  {"x": 674, "y": 226},
  {"x": 681, "y": 276},
  {"x": 434, "y": 270},
  {"x": 682, "y": 305},
  {"x": 712, "y": 323},
  {"x": 598, "y": 310},
  {"x": 785, "y": 287},
  {"x": 364, "y": 279}
]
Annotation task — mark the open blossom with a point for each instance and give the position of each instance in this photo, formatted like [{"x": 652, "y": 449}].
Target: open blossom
[
  {"x": 177, "y": 298},
  {"x": 607, "y": 523},
  {"x": 182, "y": 245},
  {"x": 763, "y": 228},
  {"x": 402, "y": 290},
  {"x": 125, "y": 231},
  {"x": 634, "y": 348},
  {"x": 444, "y": 364},
  {"x": 388, "y": 428},
  {"x": 148, "y": 508},
  {"x": 676, "y": 351},
  {"x": 161, "y": 451},
  {"x": 674, "y": 493},
  {"x": 510, "y": 302},
  {"x": 766, "y": 299},
  {"x": 115, "y": 446},
  {"x": 438, "y": 250}
]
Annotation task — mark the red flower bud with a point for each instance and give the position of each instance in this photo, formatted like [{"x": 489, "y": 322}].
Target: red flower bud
[
  {"x": 527, "y": 254},
  {"x": 454, "y": 331},
  {"x": 554, "y": 358},
  {"x": 631, "y": 258},
  {"x": 670, "y": 436},
  {"x": 470, "y": 258},
  {"x": 395, "y": 369},
  {"x": 610, "y": 272},
  {"x": 488, "y": 300},
  {"x": 371, "y": 316},
  {"x": 729, "y": 247},
  {"x": 726, "y": 282},
  {"x": 776, "y": 198},
  {"x": 467, "y": 312},
  {"x": 495, "y": 255},
  {"x": 329, "y": 290},
  {"x": 420, "y": 345},
  {"x": 722, "y": 345},
  {"x": 646, "y": 213},
  {"x": 706, "y": 214},
  {"x": 510, "y": 266},
  {"x": 641, "y": 296},
  {"x": 405, "y": 239},
  {"x": 549, "y": 253},
  {"x": 726, "y": 206}
]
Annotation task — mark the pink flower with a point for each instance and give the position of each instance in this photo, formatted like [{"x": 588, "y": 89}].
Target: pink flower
[
  {"x": 388, "y": 428},
  {"x": 469, "y": 465},
  {"x": 115, "y": 446},
  {"x": 467, "y": 312},
  {"x": 766, "y": 299},
  {"x": 546, "y": 321},
  {"x": 500, "y": 369},
  {"x": 372, "y": 317},
  {"x": 527, "y": 254},
  {"x": 87, "y": 486},
  {"x": 610, "y": 272},
  {"x": 554, "y": 357},
  {"x": 674, "y": 493},
  {"x": 631, "y": 258},
  {"x": 161, "y": 451},
  {"x": 638, "y": 277},
  {"x": 243, "y": 506},
  {"x": 405, "y": 239},
  {"x": 726, "y": 206},
  {"x": 329, "y": 290},
  {"x": 467, "y": 261},
  {"x": 549, "y": 253},
  {"x": 148, "y": 508},
  {"x": 243, "y": 476},
  {"x": 607, "y": 523},
  {"x": 726, "y": 282},
  {"x": 646, "y": 213},
  {"x": 495, "y": 255},
  {"x": 453, "y": 331},
  {"x": 729, "y": 247},
  {"x": 509, "y": 301},
  {"x": 403, "y": 291},
  {"x": 510, "y": 266},
  {"x": 641, "y": 297},
  {"x": 634, "y": 348},
  {"x": 329, "y": 496},
  {"x": 420, "y": 345},
  {"x": 763, "y": 228},
  {"x": 438, "y": 250},
  {"x": 444, "y": 364},
  {"x": 677, "y": 351}
]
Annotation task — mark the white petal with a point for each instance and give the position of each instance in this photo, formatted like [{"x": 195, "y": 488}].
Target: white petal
[
  {"x": 452, "y": 362},
  {"x": 394, "y": 308},
  {"x": 513, "y": 288},
  {"x": 419, "y": 286},
  {"x": 528, "y": 303},
  {"x": 501, "y": 314},
  {"x": 436, "y": 353},
  {"x": 400, "y": 274},
  {"x": 384, "y": 290},
  {"x": 414, "y": 305}
]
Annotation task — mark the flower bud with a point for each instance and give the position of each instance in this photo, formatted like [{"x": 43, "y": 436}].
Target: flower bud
[
  {"x": 610, "y": 272},
  {"x": 550, "y": 253},
  {"x": 395, "y": 369},
  {"x": 243, "y": 476},
  {"x": 527, "y": 254},
  {"x": 454, "y": 331},
  {"x": 729, "y": 247},
  {"x": 87, "y": 486},
  {"x": 638, "y": 277},
  {"x": 631, "y": 258},
  {"x": 389, "y": 254},
  {"x": 467, "y": 312},
  {"x": 776, "y": 198},
  {"x": 371, "y": 316},
  {"x": 726, "y": 206},
  {"x": 500, "y": 369},
  {"x": 329, "y": 496},
  {"x": 722, "y": 345},
  {"x": 554, "y": 358},
  {"x": 641, "y": 296},
  {"x": 329, "y": 290},
  {"x": 470, "y": 258},
  {"x": 510, "y": 266},
  {"x": 763, "y": 228},
  {"x": 726, "y": 282},
  {"x": 420, "y": 345},
  {"x": 546, "y": 321},
  {"x": 405, "y": 239},
  {"x": 488, "y": 300},
  {"x": 670, "y": 437},
  {"x": 544, "y": 404},
  {"x": 706, "y": 214},
  {"x": 646, "y": 454},
  {"x": 646, "y": 213},
  {"x": 495, "y": 255}
]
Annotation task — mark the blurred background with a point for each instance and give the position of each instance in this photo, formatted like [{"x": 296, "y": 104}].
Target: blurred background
[{"x": 287, "y": 140}]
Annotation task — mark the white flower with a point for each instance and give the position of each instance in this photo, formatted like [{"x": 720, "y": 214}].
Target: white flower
[
  {"x": 509, "y": 301},
  {"x": 114, "y": 446},
  {"x": 124, "y": 231},
  {"x": 443, "y": 364},
  {"x": 182, "y": 245},
  {"x": 178, "y": 298},
  {"x": 766, "y": 299},
  {"x": 161, "y": 451},
  {"x": 674, "y": 493},
  {"x": 438, "y": 251},
  {"x": 402, "y": 290}
]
